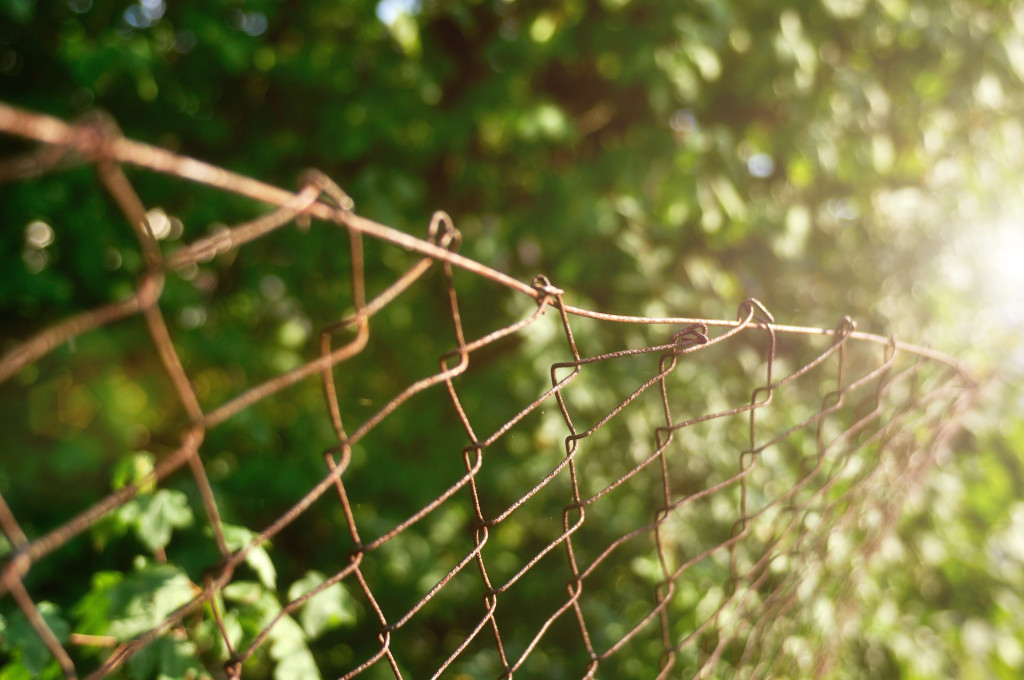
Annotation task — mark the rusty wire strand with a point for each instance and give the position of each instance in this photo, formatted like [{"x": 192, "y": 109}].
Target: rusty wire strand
[{"x": 879, "y": 441}]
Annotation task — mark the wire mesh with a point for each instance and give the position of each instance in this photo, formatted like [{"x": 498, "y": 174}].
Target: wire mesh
[{"x": 670, "y": 497}]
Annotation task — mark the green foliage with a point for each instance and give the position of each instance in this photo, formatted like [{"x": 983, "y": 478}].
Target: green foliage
[
  {"x": 330, "y": 608},
  {"x": 166, "y": 659},
  {"x": 255, "y": 607},
  {"x": 124, "y": 605},
  {"x": 153, "y": 515},
  {"x": 29, "y": 655},
  {"x": 237, "y": 538}
]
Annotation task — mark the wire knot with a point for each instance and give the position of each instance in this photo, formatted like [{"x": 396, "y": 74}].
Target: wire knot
[
  {"x": 442, "y": 232},
  {"x": 691, "y": 336},
  {"x": 543, "y": 286},
  {"x": 844, "y": 328},
  {"x": 752, "y": 308}
]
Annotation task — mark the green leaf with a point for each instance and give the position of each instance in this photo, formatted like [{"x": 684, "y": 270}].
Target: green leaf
[
  {"x": 298, "y": 664},
  {"x": 152, "y": 517},
  {"x": 237, "y": 537},
  {"x": 166, "y": 659},
  {"x": 328, "y": 609},
  {"x": 288, "y": 647},
  {"x": 246, "y": 592},
  {"x": 209, "y": 637},
  {"x": 159, "y": 515},
  {"x": 287, "y": 641},
  {"x": 25, "y": 645},
  {"x": 113, "y": 525},
  {"x": 133, "y": 469},
  {"x": 92, "y": 612},
  {"x": 145, "y": 598}
]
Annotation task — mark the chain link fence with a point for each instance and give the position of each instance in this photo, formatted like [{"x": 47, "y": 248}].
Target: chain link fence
[{"x": 556, "y": 491}]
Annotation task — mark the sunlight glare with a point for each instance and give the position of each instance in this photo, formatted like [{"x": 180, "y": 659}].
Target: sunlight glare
[{"x": 1000, "y": 267}]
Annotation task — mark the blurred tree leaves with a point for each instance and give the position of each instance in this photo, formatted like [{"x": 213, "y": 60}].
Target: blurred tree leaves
[{"x": 701, "y": 128}]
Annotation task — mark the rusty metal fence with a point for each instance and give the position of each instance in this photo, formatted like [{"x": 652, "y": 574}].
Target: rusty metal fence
[{"x": 668, "y": 532}]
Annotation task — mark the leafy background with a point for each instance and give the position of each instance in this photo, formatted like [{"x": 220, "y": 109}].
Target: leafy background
[{"x": 834, "y": 157}]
